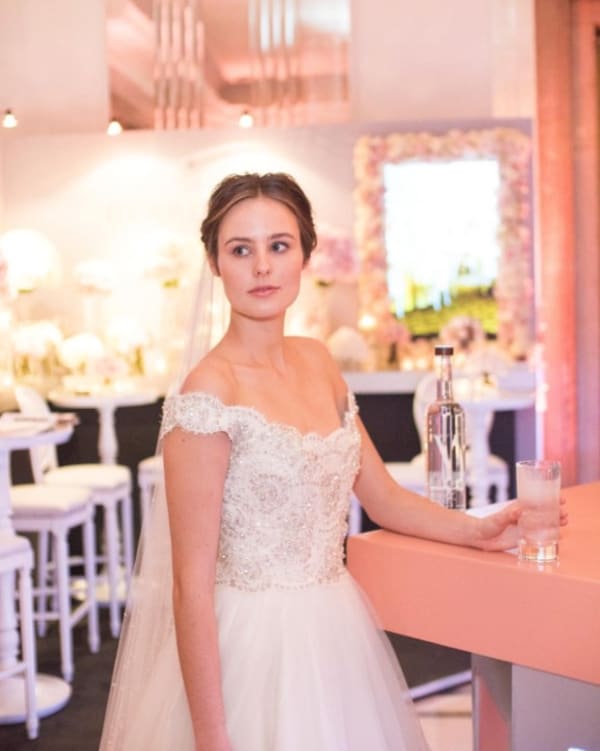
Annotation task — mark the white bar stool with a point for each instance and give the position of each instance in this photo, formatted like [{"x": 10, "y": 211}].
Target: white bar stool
[
  {"x": 54, "y": 511},
  {"x": 16, "y": 557},
  {"x": 111, "y": 490}
]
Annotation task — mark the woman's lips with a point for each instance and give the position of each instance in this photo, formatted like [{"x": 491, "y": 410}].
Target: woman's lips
[{"x": 263, "y": 291}]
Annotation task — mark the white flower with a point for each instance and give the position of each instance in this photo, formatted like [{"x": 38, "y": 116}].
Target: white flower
[
  {"x": 110, "y": 367},
  {"x": 348, "y": 347},
  {"x": 125, "y": 335},
  {"x": 463, "y": 332},
  {"x": 334, "y": 259},
  {"x": 80, "y": 350},
  {"x": 94, "y": 275},
  {"x": 167, "y": 264},
  {"x": 36, "y": 339},
  {"x": 5, "y": 290},
  {"x": 32, "y": 259}
]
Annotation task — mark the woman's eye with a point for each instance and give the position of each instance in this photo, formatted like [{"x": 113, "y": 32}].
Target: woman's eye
[
  {"x": 278, "y": 246},
  {"x": 240, "y": 250}
]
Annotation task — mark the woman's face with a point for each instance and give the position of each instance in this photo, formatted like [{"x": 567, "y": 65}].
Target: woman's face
[{"x": 260, "y": 257}]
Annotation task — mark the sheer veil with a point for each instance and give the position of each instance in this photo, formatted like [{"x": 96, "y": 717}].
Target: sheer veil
[{"x": 148, "y": 619}]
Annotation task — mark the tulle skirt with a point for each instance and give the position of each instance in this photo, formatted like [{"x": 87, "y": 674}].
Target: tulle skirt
[{"x": 302, "y": 670}]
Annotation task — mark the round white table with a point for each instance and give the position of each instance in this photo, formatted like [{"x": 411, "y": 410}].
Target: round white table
[
  {"x": 105, "y": 403},
  {"x": 52, "y": 692},
  {"x": 479, "y": 408}
]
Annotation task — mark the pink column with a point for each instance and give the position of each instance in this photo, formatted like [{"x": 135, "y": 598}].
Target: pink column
[
  {"x": 555, "y": 261},
  {"x": 586, "y": 18}
]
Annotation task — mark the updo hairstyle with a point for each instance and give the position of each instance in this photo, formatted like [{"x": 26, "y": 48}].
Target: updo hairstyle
[{"x": 275, "y": 185}]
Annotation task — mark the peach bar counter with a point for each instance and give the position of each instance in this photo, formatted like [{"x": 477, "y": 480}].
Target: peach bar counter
[{"x": 534, "y": 633}]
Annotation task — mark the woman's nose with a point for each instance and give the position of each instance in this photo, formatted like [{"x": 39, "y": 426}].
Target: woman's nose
[{"x": 262, "y": 264}]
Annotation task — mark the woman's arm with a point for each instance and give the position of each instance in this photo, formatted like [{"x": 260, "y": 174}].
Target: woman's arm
[
  {"x": 195, "y": 469},
  {"x": 395, "y": 508},
  {"x": 400, "y": 510}
]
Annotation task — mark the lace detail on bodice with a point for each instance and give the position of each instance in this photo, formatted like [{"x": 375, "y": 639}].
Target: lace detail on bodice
[{"x": 286, "y": 494}]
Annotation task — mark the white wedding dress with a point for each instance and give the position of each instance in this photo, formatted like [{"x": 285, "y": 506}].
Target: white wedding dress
[{"x": 304, "y": 665}]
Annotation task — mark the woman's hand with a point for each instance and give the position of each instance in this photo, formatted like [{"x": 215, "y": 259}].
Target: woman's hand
[{"x": 499, "y": 531}]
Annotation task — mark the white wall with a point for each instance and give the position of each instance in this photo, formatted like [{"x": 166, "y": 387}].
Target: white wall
[
  {"x": 438, "y": 59},
  {"x": 53, "y": 71},
  {"x": 420, "y": 59},
  {"x": 85, "y": 191},
  {"x": 95, "y": 196}
]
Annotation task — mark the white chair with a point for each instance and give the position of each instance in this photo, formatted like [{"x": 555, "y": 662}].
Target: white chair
[
  {"x": 16, "y": 557},
  {"x": 149, "y": 475},
  {"x": 413, "y": 474},
  {"x": 53, "y": 511},
  {"x": 111, "y": 489}
]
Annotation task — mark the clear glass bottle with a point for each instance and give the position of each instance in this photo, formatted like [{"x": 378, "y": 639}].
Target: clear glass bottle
[{"x": 445, "y": 439}]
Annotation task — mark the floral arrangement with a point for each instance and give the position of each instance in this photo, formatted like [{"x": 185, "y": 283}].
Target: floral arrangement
[
  {"x": 110, "y": 368},
  {"x": 94, "y": 276},
  {"x": 5, "y": 291},
  {"x": 334, "y": 259},
  {"x": 79, "y": 353},
  {"x": 349, "y": 349},
  {"x": 391, "y": 331},
  {"x": 35, "y": 349},
  {"x": 38, "y": 339},
  {"x": 463, "y": 332},
  {"x": 512, "y": 149},
  {"x": 128, "y": 339},
  {"x": 167, "y": 264},
  {"x": 31, "y": 258}
]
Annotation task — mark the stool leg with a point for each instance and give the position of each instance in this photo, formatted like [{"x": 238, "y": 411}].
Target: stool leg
[
  {"x": 89, "y": 562},
  {"x": 28, "y": 651},
  {"x": 127, "y": 541},
  {"x": 42, "y": 581},
  {"x": 112, "y": 567},
  {"x": 64, "y": 607}
]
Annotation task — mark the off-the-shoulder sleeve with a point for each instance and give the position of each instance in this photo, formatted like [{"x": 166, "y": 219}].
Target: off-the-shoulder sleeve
[{"x": 195, "y": 412}]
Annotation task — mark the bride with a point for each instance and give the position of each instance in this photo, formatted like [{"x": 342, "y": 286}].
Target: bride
[{"x": 244, "y": 630}]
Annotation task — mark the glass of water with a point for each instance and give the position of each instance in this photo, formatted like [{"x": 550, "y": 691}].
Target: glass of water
[{"x": 538, "y": 490}]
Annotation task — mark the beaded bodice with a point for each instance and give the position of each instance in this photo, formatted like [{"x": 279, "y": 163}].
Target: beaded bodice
[{"x": 286, "y": 494}]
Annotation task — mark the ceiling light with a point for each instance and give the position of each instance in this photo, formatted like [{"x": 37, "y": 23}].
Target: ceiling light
[
  {"x": 246, "y": 120},
  {"x": 114, "y": 128},
  {"x": 9, "y": 120}
]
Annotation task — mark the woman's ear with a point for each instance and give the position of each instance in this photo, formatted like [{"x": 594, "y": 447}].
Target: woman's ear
[{"x": 214, "y": 266}]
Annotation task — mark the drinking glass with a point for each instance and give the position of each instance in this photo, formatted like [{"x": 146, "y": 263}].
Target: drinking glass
[{"x": 538, "y": 490}]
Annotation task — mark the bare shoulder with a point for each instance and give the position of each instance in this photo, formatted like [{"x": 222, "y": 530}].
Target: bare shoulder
[
  {"x": 211, "y": 375},
  {"x": 312, "y": 351}
]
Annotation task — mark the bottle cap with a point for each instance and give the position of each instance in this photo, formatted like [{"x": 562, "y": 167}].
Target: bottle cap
[{"x": 444, "y": 349}]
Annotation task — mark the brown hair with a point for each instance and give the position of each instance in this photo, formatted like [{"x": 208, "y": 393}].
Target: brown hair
[{"x": 275, "y": 185}]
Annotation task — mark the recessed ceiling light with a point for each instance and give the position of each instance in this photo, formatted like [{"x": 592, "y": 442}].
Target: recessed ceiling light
[
  {"x": 246, "y": 120},
  {"x": 9, "y": 120},
  {"x": 114, "y": 128}
]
